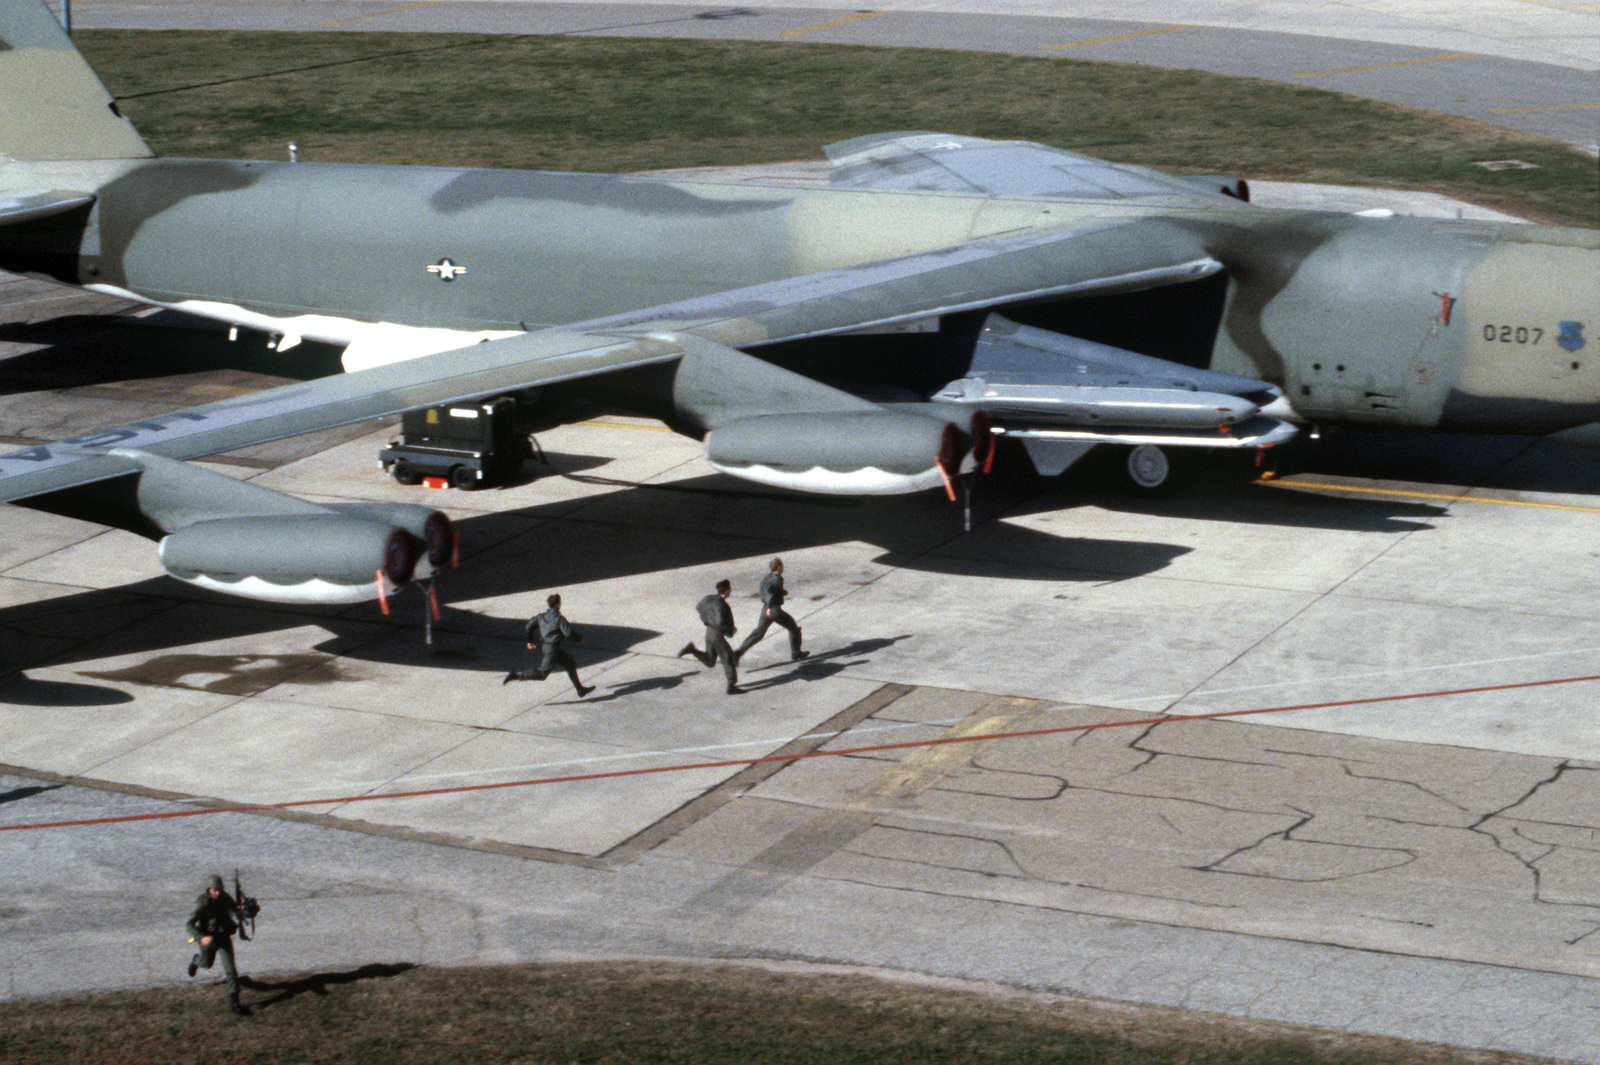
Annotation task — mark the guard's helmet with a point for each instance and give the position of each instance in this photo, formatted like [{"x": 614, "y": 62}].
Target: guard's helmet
[{"x": 214, "y": 882}]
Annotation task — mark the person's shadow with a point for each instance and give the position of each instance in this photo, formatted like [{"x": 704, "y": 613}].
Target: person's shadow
[
  {"x": 644, "y": 684},
  {"x": 18, "y": 794},
  {"x": 318, "y": 983},
  {"x": 820, "y": 665}
]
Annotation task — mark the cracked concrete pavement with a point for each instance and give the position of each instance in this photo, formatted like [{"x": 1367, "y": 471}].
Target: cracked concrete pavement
[
  {"x": 1429, "y": 891},
  {"x": 1271, "y": 831}
]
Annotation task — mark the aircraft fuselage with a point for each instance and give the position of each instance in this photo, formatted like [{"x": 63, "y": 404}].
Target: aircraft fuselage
[{"x": 1399, "y": 322}]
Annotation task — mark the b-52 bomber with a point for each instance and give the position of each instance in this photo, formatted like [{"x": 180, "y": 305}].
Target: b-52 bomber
[{"x": 873, "y": 335}]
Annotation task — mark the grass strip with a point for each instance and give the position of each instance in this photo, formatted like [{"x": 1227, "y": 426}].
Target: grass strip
[
  {"x": 658, "y": 1012},
  {"x": 620, "y": 104}
]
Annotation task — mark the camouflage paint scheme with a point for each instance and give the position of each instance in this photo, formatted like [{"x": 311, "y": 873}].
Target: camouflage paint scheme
[{"x": 695, "y": 301}]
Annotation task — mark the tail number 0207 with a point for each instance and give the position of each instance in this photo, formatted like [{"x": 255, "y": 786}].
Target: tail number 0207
[{"x": 1512, "y": 334}]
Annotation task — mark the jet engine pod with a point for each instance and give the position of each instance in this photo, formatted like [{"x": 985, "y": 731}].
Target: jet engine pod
[
  {"x": 870, "y": 452},
  {"x": 433, "y": 527},
  {"x": 296, "y": 558}
]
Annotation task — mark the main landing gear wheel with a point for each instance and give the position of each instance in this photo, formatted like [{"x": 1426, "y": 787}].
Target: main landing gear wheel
[{"x": 1149, "y": 469}]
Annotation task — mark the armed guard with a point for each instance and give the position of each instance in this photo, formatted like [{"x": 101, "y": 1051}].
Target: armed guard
[{"x": 216, "y": 918}]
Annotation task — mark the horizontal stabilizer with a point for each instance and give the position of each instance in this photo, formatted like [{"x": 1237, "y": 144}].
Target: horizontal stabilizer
[{"x": 32, "y": 206}]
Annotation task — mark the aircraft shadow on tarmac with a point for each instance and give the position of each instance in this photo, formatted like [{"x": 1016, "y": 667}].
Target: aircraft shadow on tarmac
[
  {"x": 318, "y": 983},
  {"x": 81, "y": 350},
  {"x": 28, "y": 691},
  {"x": 155, "y": 621},
  {"x": 1227, "y": 488},
  {"x": 1504, "y": 463},
  {"x": 695, "y": 523},
  {"x": 1275, "y": 503},
  {"x": 704, "y": 521}
]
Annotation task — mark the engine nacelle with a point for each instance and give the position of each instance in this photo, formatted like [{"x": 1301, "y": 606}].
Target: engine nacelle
[
  {"x": 300, "y": 559},
  {"x": 872, "y": 452},
  {"x": 433, "y": 527},
  {"x": 244, "y": 539}
]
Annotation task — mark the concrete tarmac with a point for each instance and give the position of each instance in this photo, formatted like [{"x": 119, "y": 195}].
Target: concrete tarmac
[
  {"x": 1319, "y": 749},
  {"x": 1523, "y": 65}
]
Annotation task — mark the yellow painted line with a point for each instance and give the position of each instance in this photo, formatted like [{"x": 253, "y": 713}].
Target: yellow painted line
[
  {"x": 1551, "y": 107},
  {"x": 1395, "y": 63},
  {"x": 923, "y": 769},
  {"x": 625, "y": 425},
  {"x": 376, "y": 14},
  {"x": 1430, "y": 495},
  {"x": 857, "y": 17},
  {"x": 1114, "y": 37}
]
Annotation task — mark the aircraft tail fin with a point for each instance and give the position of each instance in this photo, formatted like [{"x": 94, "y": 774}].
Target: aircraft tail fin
[{"x": 52, "y": 104}]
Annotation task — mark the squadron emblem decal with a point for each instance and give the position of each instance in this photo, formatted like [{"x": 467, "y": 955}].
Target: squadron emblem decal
[
  {"x": 446, "y": 270},
  {"x": 1571, "y": 336}
]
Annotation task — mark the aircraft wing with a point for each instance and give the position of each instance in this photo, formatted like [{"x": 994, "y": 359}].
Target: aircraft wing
[
  {"x": 1099, "y": 258},
  {"x": 1103, "y": 257},
  {"x": 943, "y": 162},
  {"x": 544, "y": 357}
]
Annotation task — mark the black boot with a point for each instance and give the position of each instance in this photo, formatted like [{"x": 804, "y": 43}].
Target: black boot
[{"x": 233, "y": 1004}]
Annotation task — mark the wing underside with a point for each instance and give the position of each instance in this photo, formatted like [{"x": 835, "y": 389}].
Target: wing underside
[{"x": 490, "y": 368}]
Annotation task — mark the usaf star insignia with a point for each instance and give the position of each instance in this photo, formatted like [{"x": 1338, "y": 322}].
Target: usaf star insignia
[
  {"x": 447, "y": 270},
  {"x": 1571, "y": 336}
]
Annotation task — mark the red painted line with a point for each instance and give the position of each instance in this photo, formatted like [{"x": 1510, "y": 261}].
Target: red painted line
[{"x": 614, "y": 774}]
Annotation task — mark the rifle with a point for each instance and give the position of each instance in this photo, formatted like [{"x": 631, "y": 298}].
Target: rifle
[{"x": 245, "y": 906}]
